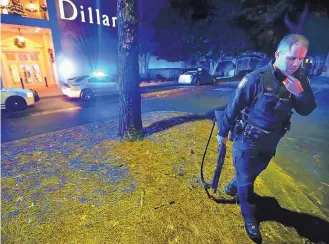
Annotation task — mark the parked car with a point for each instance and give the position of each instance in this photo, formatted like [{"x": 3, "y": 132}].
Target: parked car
[
  {"x": 86, "y": 87},
  {"x": 15, "y": 99},
  {"x": 196, "y": 77}
]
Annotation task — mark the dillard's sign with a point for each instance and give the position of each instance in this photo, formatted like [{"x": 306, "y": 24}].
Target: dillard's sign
[{"x": 104, "y": 19}]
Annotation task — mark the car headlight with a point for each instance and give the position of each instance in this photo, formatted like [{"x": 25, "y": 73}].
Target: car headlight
[
  {"x": 30, "y": 94},
  {"x": 75, "y": 88}
]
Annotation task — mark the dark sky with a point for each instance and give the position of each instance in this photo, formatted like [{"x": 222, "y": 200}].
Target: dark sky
[
  {"x": 316, "y": 28},
  {"x": 317, "y": 31}
]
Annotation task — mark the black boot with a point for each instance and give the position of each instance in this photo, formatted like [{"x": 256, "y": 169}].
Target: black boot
[
  {"x": 253, "y": 231},
  {"x": 231, "y": 189}
]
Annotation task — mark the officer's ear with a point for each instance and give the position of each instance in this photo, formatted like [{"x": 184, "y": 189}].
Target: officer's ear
[{"x": 277, "y": 54}]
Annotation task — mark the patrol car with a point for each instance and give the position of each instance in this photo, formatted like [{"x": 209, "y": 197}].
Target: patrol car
[
  {"x": 86, "y": 87},
  {"x": 15, "y": 99}
]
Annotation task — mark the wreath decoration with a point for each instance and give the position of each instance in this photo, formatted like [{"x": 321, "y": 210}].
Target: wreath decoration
[
  {"x": 43, "y": 7},
  {"x": 31, "y": 10},
  {"x": 19, "y": 44}
]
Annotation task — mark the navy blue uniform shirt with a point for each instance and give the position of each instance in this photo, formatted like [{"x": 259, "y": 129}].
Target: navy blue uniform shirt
[{"x": 251, "y": 85}]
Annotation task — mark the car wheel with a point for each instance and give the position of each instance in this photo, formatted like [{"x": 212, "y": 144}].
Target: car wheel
[
  {"x": 15, "y": 103},
  {"x": 87, "y": 95}
]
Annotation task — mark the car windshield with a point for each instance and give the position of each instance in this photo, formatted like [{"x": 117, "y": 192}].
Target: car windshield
[
  {"x": 78, "y": 78},
  {"x": 190, "y": 73}
]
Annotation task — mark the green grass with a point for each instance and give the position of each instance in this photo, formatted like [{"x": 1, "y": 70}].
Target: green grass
[{"x": 155, "y": 196}]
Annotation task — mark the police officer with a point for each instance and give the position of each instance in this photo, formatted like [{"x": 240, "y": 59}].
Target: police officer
[{"x": 260, "y": 114}]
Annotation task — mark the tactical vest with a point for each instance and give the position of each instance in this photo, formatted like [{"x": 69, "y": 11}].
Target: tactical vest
[{"x": 272, "y": 108}]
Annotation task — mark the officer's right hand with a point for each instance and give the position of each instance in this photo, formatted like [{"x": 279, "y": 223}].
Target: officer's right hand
[
  {"x": 293, "y": 85},
  {"x": 221, "y": 140}
]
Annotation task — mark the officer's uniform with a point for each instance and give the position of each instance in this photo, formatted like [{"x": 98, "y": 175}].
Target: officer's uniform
[{"x": 266, "y": 108}]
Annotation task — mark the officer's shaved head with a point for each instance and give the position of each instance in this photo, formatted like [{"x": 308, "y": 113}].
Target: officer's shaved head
[
  {"x": 291, "y": 52},
  {"x": 288, "y": 41}
]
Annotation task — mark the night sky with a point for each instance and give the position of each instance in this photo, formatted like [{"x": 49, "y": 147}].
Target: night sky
[
  {"x": 316, "y": 28},
  {"x": 317, "y": 31}
]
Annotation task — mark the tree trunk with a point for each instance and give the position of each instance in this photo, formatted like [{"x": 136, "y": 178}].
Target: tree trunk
[
  {"x": 143, "y": 63},
  {"x": 213, "y": 66},
  {"x": 130, "y": 121},
  {"x": 147, "y": 62},
  {"x": 326, "y": 63}
]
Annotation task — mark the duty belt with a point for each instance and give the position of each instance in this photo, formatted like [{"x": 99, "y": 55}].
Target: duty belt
[{"x": 256, "y": 127}]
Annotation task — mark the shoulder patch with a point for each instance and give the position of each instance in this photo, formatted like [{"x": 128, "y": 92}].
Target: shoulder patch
[{"x": 243, "y": 82}]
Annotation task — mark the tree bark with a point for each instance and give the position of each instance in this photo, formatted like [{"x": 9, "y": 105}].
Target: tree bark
[
  {"x": 144, "y": 59},
  {"x": 213, "y": 66},
  {"x": 130, "y": 121}
]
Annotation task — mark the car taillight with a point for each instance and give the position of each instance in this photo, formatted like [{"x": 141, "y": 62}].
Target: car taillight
[{"x": 67, "y": 85}]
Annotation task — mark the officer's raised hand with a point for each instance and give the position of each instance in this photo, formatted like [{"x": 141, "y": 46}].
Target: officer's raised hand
[
  {"x": 221, "y": 140},
  {"x": 293, "y": 85}
]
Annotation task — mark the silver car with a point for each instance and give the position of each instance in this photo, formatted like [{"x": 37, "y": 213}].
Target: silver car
[
  {"x": 196, "y": 77},
  {"x": 88, "y": 86}
]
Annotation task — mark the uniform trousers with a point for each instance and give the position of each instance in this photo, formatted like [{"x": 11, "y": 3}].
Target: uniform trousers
[{"x": 252, "y": 152}]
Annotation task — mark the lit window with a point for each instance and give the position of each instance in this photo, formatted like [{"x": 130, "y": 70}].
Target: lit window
[
  {"x": 36, "y": 73},
  {"x": 14, "y": 73},
  {"x": 34, "y": 57},
  {"x": 22, "y": 57},
  {"x": 10, "y": 56},
  {"x": 26, "y": 72}
]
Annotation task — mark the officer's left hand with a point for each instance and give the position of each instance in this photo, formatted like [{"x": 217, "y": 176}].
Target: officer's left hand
[
  {"x": 293, "y": 85},
  {"x": 221, "y": 140}
]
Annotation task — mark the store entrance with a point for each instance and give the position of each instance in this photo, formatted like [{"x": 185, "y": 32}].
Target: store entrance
[{"x": 23, "y": 67}]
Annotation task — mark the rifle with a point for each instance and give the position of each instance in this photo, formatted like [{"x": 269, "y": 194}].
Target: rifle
[
  {"x": 220, "y": 159},
  {"x": 219, "y": 166}
]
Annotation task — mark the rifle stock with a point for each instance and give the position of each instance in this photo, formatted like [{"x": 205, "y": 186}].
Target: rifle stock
[{"x": 219, "y": 166}]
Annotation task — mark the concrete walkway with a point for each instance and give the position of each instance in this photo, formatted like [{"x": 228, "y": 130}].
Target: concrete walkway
[{"x": 49, "y": 92}]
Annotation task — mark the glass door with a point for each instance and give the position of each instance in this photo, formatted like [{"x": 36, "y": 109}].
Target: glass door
[
  {"x": 36, "y": 69},
  {"x": 26, "y": 66}
]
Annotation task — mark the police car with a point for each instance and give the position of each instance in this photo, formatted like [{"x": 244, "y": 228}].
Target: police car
[
  {"x": 15, "y": 99},
  {"x": 86, "y": 87}
]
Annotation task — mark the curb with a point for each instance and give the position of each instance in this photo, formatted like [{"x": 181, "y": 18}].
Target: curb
[
  {"x": 54, "y": 96},
  {"x": 143, "y": 94},
  {"x": 146, "y": 118},
  {"x": 164, "y": 93}
]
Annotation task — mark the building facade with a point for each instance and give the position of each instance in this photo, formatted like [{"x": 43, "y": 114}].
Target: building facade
[{"x": 30, "y": 44}]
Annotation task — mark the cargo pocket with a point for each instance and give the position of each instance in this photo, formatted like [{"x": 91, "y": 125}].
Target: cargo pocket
[{"x": 245, "y": 164}]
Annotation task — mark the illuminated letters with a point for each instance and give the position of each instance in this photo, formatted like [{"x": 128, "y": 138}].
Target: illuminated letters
[{"x": 90, "y": 15}]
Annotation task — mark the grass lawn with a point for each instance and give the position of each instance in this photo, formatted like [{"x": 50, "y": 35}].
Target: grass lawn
[{"x": 77, "y": 186}]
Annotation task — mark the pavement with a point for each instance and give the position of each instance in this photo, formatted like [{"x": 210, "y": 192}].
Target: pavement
[
  {"x": 60, "y": 113},
  {"x": 49, "y": 92},
  {"x": 52, "y": 100},
  {"x": 55, "y": 91}
]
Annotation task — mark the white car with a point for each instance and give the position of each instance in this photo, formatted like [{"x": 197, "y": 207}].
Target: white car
[
  {"x": 15, "y": 99},
  {"x": 196, "y": 77},
  {"x": 88, "y": 86}
]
